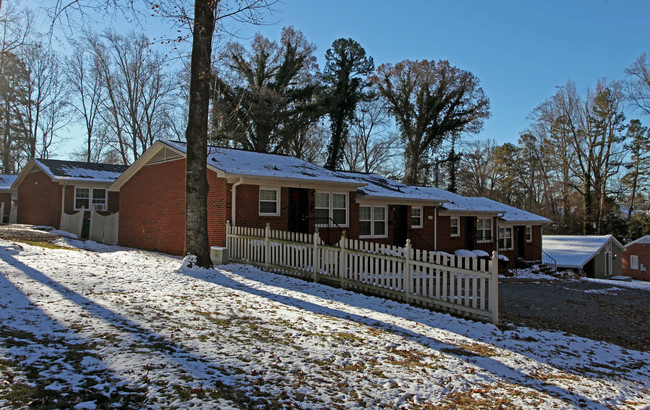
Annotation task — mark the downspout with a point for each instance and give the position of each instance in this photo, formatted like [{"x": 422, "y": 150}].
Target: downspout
[
  {"x": 62, "y": 205},
  {"x": 435, "y": 228},
  {"x": 233, "y": 201}
]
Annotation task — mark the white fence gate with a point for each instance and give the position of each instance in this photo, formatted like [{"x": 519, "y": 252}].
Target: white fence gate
[
  {"x": 102, "y": 228},
  {"x": 461, "y": 285}
]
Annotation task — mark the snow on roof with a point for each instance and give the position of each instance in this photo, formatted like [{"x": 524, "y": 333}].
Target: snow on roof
[
  {"x": 574, "y": 251},
  {"x": 257, "y": 164},
  {"x": 6, "y": 181},
  {"x": 513, "y": 214},
  {"x": 643, "y": 239},
  {"x": 74, "y": 170},
  {"x": 379, "y": 186}
]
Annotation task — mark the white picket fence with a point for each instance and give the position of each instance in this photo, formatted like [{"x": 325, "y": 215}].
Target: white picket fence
[{"x": 462, "y": 285}]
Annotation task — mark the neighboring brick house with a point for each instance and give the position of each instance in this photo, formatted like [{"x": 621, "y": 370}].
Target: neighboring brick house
[
  {"x": 46, "y": 187},
  {"x": 636, "y": 258},
  {"x": 7, "y": 197}
]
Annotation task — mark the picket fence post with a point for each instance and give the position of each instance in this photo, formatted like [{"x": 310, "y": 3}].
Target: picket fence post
[
  {"x": 494, "y": 288},
  {"x": 267, "y": 246},
  {"x": 343, "y": 265},
  {"x": 316, "y": 257},
  {"x": 408, "y": 271}
]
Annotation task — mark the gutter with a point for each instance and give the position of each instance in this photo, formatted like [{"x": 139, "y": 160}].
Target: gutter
[{"x": 233, "y": 201}]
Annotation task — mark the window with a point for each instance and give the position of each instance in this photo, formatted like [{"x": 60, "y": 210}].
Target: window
[
  {"x": 331, "y": 206},
  {"x": 87, "y": 198},
  {"x": 505, "y": 238},
  {"x": 269, "y": 202},
  {"x": 484, "y": 230},
  {"x": 634, "y": 262},
  {"x": 81, "y": 198},
  {"x": 529, "y": 233},
  {"x": 416, "y": 217},
  {"x": 372, "y": 221},
  {"x": 454, "y": 226},
  {"x": 99, "y": 199}
]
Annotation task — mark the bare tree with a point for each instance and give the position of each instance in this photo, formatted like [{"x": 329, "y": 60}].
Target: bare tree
[
  {"x": 139, "y": 94},
  {"x": 47, "y": 109},
  {"x": 638, "y": 83},
  {"x": 431, "y": 101},
  {"x": 477, "y": 168},
  {"x": 85, "y": 82},
  {"x": 371, "y": 146}
]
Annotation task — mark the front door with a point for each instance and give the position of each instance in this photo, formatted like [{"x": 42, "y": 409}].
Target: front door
[
  {"x": 400, "y": 227},
  {"x": 298, "y": 210},
  {"x": 470, "y": 232},
  {"x": 520, "y": 234}
]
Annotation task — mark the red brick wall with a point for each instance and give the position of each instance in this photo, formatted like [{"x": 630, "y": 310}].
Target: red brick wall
[
  {"x": 152, "y": 209},
  {"x": 248, "y": 212},
  {"x": 39, "y": 200},
  {"x": 642, "y": 250}
]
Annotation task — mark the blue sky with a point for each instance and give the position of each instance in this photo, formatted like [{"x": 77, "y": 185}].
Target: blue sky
[{"x": 520, "y": 50}]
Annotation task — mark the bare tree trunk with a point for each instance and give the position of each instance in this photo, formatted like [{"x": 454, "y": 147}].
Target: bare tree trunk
[{"x": 196, "y": 183}]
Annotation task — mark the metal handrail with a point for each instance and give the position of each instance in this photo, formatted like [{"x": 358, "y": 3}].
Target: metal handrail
[
  {"x": 331, "y": 224},
  {"x": 421, "y": 238},
  {"x": 546, "y": 258}
]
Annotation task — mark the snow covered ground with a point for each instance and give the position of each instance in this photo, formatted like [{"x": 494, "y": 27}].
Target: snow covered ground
[{"x": 101, "y": 325}]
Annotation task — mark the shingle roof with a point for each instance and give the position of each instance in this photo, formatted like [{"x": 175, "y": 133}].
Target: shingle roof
[
  {"x": 74, "y": 170},
  {"x": 6, "y": 181}
]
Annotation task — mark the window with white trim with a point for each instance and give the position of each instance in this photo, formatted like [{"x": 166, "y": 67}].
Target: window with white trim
[
  {"x": 529, "y": 233},
  {"x": 454, "y": 226},
  {"x": 484, "y": 230},
  {"x": 372, "y": 221},
  {"x": 634, "y": 262},
  {"x": 331, "y": 206},
  {"x": 269, "y": 202},
  {"x": 416, "y": 217},
  {"x": 85, "y": 198},
  {"x": 505, "y": 238}
]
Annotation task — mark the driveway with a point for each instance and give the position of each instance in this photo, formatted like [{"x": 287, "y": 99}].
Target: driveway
[{"x": 594, "y": 310}]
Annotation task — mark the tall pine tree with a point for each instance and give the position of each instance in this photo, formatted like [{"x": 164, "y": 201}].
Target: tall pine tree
[{"x": 346, "y": 69}]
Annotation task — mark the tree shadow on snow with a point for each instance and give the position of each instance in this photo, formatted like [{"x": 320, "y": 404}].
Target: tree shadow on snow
[
  {"x": 204, "y": 370},
  {"x": 382, "y": 306}
]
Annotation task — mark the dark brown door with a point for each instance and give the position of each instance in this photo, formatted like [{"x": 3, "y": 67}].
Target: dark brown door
[
  {"x": 400, "y": 227},
  {"x": 298, "y": 210},
  {"x": 520, "y": 233},
  {"x": 470, "y": 232}
]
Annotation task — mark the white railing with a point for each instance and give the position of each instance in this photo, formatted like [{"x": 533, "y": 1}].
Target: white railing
[{"x": 461, "y": 285}]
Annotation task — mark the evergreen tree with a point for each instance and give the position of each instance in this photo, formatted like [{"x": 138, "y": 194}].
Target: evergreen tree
[
  {"x": 346, "y": 69},
  {"x": 638, "y": 173}
]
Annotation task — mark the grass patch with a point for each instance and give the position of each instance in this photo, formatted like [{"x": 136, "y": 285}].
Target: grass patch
[{"x": 46, "y": 244}]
